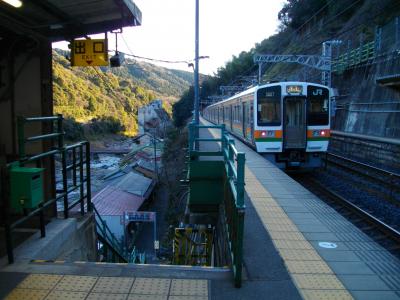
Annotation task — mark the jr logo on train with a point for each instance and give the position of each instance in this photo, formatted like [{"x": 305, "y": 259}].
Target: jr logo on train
[{"x": 287, "y": 122}]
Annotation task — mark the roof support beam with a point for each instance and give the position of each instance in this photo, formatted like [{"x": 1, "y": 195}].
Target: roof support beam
[{"x": 52, "y": 9}]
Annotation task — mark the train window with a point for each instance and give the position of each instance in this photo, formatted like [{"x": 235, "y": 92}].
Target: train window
[
  {"x": 269, "y": 106},
  {"x": 317, "y": 106}
]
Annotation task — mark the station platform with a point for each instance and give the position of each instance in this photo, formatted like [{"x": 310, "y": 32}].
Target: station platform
[
  {"x": 295, "y": 247},
  {"x": 290, "y": 231}
]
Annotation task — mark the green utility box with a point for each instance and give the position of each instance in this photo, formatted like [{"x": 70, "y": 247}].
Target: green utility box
[{"x": 26, "y": 187}]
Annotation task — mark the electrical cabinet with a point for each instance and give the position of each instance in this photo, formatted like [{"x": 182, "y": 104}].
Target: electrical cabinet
[{"x": 26, "y": 187}]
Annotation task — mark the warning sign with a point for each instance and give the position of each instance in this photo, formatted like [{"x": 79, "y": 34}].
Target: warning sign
[{"x": 89, "y": 53}]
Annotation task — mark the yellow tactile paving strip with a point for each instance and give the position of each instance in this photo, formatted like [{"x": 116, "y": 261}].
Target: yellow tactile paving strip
[
  {"x": 311, "y": 274},
  {"x": 70, "y": 287}
]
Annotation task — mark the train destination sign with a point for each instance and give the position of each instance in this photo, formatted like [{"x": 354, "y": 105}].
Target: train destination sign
[
  {"x": 294, "y": 89},
  {"x": 90, "y": 52}
]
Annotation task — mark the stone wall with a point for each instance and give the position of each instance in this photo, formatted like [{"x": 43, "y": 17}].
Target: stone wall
[
  {"x": 365, "y": 107},
  {"x": 379, "y": 154}
]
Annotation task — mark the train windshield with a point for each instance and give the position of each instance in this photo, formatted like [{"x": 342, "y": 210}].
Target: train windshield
[
  {"x": 317, "y": 106},
  {"x": 269, "y": 106}
]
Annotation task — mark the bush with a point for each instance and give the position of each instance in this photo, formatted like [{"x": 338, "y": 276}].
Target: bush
[
  {"x": 73, "y": 130},
  {"x": 107, "y": 124}
]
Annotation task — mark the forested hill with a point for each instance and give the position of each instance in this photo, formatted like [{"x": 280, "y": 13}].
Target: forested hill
[
  {"x": 304, "y": 26},
  {"x": 168, "y": 84},
  {"x": 107, "y": 99}
]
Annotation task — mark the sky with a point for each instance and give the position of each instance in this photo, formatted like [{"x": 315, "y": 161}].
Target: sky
[{"x": 227, "y": 27}]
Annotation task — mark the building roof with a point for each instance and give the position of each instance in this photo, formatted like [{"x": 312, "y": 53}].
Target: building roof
[
  {"x": 123, "y": 194},
  {"x": 134, "y": 183},
  {"x": 64, "y": 20},
  {"x": 112, "y": 201}
]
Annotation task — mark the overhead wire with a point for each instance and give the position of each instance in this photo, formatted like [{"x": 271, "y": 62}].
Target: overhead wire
[
  {"x": 249, "y": 71},
  {"x": 341, "y": 33},
  {"x": 187, "y": 61}
]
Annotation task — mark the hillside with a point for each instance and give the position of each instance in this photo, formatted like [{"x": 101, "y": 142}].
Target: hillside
[
  {"x": 168, "y": 84},
  {"x": 305, "y": 25},
  {"x": 107, "y": 99}
]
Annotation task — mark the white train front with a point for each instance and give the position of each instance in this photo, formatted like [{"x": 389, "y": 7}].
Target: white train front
[{"x": 288, "y": 122}]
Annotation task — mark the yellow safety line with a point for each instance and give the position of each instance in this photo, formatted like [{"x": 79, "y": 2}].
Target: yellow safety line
[{"x": 310, "y": 273}]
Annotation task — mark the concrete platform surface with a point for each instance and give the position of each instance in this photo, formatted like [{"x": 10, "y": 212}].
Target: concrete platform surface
[{"x": 325, "y": 255}]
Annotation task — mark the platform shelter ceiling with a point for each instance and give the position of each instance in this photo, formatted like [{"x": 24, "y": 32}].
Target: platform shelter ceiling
[{"x": 59, "y": 20}]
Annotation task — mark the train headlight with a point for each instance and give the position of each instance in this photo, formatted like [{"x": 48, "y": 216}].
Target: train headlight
[
  {"x": 320, "y": 133},
  {"x": 263, "y": 133}
]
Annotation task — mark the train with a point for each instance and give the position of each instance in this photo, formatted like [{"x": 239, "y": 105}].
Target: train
[{"x": 286, "y": 122}]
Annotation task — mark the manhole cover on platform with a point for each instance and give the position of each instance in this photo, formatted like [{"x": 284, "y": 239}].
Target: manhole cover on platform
[{"x": 327, "y": 245}]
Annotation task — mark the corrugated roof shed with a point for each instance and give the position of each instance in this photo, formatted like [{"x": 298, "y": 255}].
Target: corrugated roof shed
[{"x": 112, "y": 201}]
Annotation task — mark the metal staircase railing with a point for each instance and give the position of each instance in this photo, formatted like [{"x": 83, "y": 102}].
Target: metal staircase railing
[
  {"x": 234, "y": 208},
  {"x": 108, "y": 238}
]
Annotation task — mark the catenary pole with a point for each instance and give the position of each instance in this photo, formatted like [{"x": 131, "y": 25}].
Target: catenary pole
[{"x": 196, "y": 67}]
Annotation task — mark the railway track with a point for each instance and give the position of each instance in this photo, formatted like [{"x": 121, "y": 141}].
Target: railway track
[
  {"x": 371, "y": 174},
  {"x": 365, "y": 179}
]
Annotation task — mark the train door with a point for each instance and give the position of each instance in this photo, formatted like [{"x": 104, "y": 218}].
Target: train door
[
  {"x": 295, "y": 129},
  {"x": 251, "y": 119},
  {"x": 231, "y": 117},
  {"x": 244, "y": 118}
]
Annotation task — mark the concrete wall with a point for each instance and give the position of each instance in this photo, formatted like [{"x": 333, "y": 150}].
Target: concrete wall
[
  {"x": 25, "y": 90},
  {"x": 66, "y": 239},
  {"x": 379, "y": 154},
  {"x": 81, "y": 246},
  {"x": 359, "y": 84}
]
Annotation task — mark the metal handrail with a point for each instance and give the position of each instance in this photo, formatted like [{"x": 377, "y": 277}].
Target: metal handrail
[
  {"x": 64, "y": 151},
  {"x": 234, "y": 162},
  {"x": 108, "y": 235}
]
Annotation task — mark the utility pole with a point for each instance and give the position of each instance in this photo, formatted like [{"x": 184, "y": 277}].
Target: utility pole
[{"x": 196, "y": 68}]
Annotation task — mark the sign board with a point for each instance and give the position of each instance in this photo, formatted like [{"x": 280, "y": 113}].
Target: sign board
[
  {"x": 89, "y": 52},
  {"x": 140, "y": 216},
  {"x": 156, "y": 245}
]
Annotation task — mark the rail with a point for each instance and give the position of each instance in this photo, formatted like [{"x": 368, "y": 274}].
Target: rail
[
  {"x": 384, "y": 177},
  {"x": 234, "y": 207},
  {"x": 75, "y": 158}
]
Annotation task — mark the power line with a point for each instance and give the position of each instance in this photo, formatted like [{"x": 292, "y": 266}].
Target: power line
[
  {"x": 341, "y": 33},
  {"x": 188, "y": 61}
]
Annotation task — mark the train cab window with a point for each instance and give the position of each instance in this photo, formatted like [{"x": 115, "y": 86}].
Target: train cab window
[
  {"x": 269, "y": 106},
  {"x": 317, "y": 106}
]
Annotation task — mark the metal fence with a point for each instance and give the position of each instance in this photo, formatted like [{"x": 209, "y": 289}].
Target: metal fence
[
  {"x": 233, "y": 205},
  {"x": 75, "y": 158},
  {"x": 357, "y": 51}
]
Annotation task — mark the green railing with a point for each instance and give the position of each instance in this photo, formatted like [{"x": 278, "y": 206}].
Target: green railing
[
  {"x": 136, "y": 257},
  {"x": 74, "y": 158},
  {"x": 107, "y": 237},
  {"x": 233, "y": 204},
  {"x": 354, "y": 57}
]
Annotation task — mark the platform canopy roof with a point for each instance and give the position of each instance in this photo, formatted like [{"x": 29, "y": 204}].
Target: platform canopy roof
[{"x": 63, "y": 20}]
